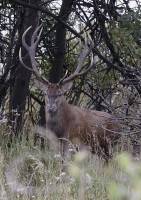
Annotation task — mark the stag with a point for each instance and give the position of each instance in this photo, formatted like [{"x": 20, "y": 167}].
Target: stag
[{"x": 95, "y": 130}]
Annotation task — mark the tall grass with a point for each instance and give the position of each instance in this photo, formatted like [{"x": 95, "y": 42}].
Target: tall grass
[{"x": 28, "y": 172}]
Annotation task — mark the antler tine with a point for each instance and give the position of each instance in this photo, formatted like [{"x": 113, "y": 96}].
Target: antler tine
[
  {"x": 21, "y": 60},
  {"x": 61, "y": 80},
  {"x": 34, "y": 35},
  {"x": 84, "y": 54},
  {"x": 82, "y": 57},
  {"x": 23, "y": 38},
  {"x": 31, "y": 51}
]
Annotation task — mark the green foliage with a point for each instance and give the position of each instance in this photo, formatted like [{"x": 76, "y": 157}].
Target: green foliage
[
  {"x": 129, "y": 189},
  {"x": 104, "y": 78},
  {"x": 126, "y": 36}
]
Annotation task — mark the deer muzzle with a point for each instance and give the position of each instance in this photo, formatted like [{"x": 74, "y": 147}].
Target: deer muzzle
[{"x": 51, "y": 108}]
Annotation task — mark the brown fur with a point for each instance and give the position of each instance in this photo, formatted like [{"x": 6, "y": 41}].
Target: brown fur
[{"x": 95, "y": 129}]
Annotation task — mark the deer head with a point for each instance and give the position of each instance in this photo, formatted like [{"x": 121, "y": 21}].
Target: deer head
[{"x": 54, "y": 92}]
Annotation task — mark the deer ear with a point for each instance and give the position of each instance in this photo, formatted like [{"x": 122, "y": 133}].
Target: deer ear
[
  {"x": 41, "y": 86},
  {"x": 67, "y": 86}
]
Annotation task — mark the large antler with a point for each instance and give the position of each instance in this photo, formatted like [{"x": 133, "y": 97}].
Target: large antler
[
  {"x": 82, "y": 57},
  {"x": 31, "y": 51}
]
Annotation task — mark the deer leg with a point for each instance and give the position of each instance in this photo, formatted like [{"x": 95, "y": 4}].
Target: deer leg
[
  {"x": 67, "y": 152},
  {"x": 40, "y": 140},
  {"x": 106, "y": 153}
]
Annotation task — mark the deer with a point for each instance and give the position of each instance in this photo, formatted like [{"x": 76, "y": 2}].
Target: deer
[{"x": 71, "y": 124}]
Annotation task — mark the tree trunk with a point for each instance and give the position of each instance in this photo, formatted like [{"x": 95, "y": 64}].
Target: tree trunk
[
  {"x": 60, "y": 47},
  {"x": 60, "y": 42},
  {"x": 21, "y": 84}
]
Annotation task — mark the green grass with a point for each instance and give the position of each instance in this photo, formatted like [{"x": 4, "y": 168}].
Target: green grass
[{"x": 27, "y": 172}]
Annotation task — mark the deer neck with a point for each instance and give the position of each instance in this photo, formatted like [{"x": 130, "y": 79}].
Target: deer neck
[{"x": 64, "y": 110}]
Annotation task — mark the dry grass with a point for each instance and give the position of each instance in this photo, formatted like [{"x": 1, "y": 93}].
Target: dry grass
[{"x": 27, "y": 172}]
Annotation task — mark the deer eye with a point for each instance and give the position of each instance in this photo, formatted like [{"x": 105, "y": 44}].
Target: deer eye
[{"x": 45, "y": 93}]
